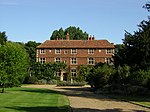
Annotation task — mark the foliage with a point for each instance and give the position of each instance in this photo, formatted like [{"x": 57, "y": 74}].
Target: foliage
[
  {"x": 121, "y": 75},
  {"x": 138, "y": 45},
  {"x": 84, "y": 72},
  {"x": 75, "y": 34},
  {"x": 74, "y": 83},
  {"x": 30, "y": 80},
  {"x": 30, "y": 47},
  {"x": 137, "y": 90},
  {"x": 139, "y": 77},
  {"x": 3, "y": 38},
  {"x": 100, "y": 75},
  {"x": 47, "y": 71},
  {"x": 13, "y": 64},
  {"x": 147, "y": 6}
]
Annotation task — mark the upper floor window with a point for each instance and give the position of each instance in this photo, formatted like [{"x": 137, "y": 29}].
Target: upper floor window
[
  {"x": 57, "y": 51},
  {"x": 66, "y": 52},
  {"x": 109, "y": 51},
  {"x": 42, "y": 51},
  {"x": 91, "y": 61},
  {"x": 73, "y": 60},
  {"x": 42, "y": 60},
  {"x": 73, "y": 51},
  {"x": 57, "y": 60},
  {"x": 90, "y": 51},
  {"x": 73, "y": 72}
]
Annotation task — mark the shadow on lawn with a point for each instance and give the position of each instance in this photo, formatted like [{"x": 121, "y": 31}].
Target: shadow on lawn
[
  {"x": 40, "y": 109},
  {"x": 65, "y": 109},
  {"x": 38, "y": 90}
]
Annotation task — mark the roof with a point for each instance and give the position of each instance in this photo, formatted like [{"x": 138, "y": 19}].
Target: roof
[{"x": 76, "y": 44}]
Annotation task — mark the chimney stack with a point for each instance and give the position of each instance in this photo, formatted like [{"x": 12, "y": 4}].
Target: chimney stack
[{"x": 67, "y": 36}]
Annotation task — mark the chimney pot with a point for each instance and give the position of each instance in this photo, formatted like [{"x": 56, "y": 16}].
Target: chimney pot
[{"x": 67, "y": 36}]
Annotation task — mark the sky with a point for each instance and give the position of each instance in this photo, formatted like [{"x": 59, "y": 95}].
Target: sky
[{"x": 35, "y": 20}]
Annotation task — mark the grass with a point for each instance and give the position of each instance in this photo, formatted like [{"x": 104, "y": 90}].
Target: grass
[
  {"x": 139, "y": 100},
  {"x": 32, "y": 100}
]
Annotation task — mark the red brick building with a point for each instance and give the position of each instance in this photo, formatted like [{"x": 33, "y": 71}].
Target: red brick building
[{"x": 75, "y": 53}]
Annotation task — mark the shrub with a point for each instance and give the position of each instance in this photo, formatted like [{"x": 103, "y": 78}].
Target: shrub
[
  {"x": 42, "y": 81},
  {"x": 66, "y": 83},
  {"x": 137, "y": 90},
  {"x": 32, "y": 80},
  {"x": 53, "y": 81},
  {"x": 100, "y": 76}
]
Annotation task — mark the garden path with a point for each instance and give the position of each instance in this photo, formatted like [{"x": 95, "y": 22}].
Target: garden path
[{"x": 83, "y": 100}]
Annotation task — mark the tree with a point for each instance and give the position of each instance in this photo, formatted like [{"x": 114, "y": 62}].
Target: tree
[
  {"x": 84, "y": 72},
  {"x": 137, "y": 46},
  {"x": 75, "y": 34},
  {"x": 147, "y": 6},
  {"x": 47, "y": 71},
  {"x": 100, "y": 75},
  {"x": 13, "y": 64},
  {"x": 3, "y": 38},
  {"x": 30, "y": 47}
]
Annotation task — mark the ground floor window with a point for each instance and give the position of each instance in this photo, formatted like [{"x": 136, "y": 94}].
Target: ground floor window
[
  {"x": 91, "y": 61},
  {"x": 108, "y": 60},
  {"x": 57, "y": 60},
  {"x": 42, "y": 60},
  {"x": 73, "y": 72}
]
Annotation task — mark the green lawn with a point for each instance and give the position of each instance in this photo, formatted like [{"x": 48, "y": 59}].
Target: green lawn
[
  {"x": 32, "y": 100},
  {"x": 140, "y": 100}
]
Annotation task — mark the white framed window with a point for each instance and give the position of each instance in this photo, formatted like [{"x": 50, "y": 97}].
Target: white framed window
[
  {"x": 73, "y": 51},
  {"x": 42, "y": 60},
  {"x": 42, "y": 51},
  {"x": 109, "y": 51},
  {"x": 91, "y": 61},
  {"x": 73, "y": 60},
  {"x": 73, "y": 72},
  {"x": 58, "y": 74},
  {"x": 90, "y": 51},
  {"x": 66, "y": 52},
  {"x": 57, "y": 51},
  {"x": 108, "y": 60},
  {"x": 57, "y": 59}
]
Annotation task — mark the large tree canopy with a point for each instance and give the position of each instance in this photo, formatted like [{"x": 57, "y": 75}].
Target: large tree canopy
[
  {"x": 135, "y": 50},
  {"x": 75, "y": 34},
  {"x": 13, "y": 64},
  {"x": 3, "y": 38}
]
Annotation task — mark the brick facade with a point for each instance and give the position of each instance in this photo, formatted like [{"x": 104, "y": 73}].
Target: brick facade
[{"x": 75, "y": 52}]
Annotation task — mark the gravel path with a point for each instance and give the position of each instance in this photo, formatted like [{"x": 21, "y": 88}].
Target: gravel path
[{"x": 82, "y": 100}]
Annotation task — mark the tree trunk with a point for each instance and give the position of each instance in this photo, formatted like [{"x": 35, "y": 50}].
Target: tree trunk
[{"x": 3, "y": 87}]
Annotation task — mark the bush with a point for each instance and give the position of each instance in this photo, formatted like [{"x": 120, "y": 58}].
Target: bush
[
  {"x": 100, "y": 76},
  {"x": 32, "y": 80},
  {"x": 42, "y": 81},
  {"x": 53, "y": 81},
  {"x": 65, "y": 83},
  {"x": 137, "y": 90}
]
